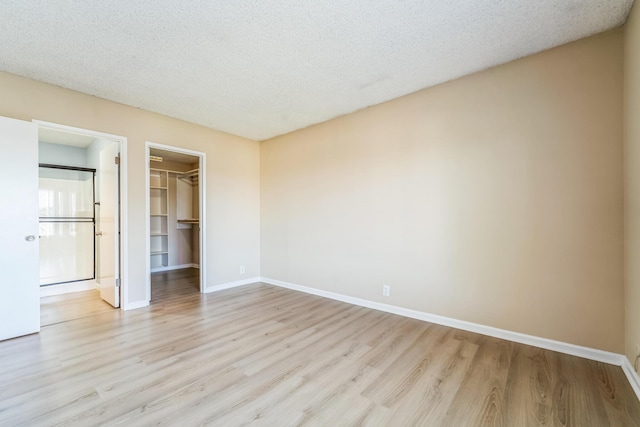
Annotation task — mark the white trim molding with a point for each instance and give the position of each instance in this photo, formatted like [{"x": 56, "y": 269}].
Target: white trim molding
[
  {"x": 572, "y": 349},
  {"x": 632, "y": 375},
  {"x": 67, "y": 288},
  {"x": 202, "y": 188},
  {"x": 559, "y": 346},
  {"x": 615, "y": 359},
  {"x": 230, "y": 285},
  {"x": 123, "y": 150},
  {"x": 174, "y": 267}
]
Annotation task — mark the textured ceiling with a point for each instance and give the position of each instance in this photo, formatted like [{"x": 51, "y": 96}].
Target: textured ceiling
[{"x": 260, "y": 69}]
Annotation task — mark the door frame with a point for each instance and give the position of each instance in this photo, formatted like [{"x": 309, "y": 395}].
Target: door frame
[
  {"x": 123, "y": 193},
  {"x": 202, "y": 186}
]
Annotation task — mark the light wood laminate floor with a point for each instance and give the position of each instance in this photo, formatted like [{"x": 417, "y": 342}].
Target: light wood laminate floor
[
  {"x": 170, "y": 286},
  {"x": 165, "y": 286},
  {"x": 267, "y": 356},
  {"x": 65, "y": 307}
]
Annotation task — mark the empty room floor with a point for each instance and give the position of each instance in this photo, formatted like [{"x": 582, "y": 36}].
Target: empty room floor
[
  {"x": 169, "y": 286},
  {"x": 65, "y": 307},
  {"x": 263, "y": 355}
]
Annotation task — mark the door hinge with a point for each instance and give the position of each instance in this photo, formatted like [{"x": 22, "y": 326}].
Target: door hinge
[
  {"x": 117, "y": 160},
  {"x": 117, "y": 283}
]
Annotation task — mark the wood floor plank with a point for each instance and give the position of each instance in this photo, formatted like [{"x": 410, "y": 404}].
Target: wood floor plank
[
  {"x": 435, "y": 390},
  {"x": 613, "y": 391},
  {"x": 399, "y": 378},
  {"x": 486, "y": 381},
  {"x": 260, "y": 355},
  {"x": 62, "y": 308}
]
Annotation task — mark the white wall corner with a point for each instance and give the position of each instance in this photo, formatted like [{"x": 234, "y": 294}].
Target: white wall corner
[{"x": 230, "y": 285}]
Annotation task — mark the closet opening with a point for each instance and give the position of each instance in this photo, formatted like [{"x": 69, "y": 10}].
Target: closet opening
[{"x": 175, "y": 210}]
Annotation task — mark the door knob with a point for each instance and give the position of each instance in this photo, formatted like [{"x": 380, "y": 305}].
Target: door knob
[
  {"x": 30, "y": 238},
  {"x": 99, "y": 233}
]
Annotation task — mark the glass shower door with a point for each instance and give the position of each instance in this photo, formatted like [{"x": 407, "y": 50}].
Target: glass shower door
[{"x": 67, "y": 225}]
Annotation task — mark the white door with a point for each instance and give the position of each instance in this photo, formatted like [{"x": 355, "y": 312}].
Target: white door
[
  {"x": 108, "y": 233},
  {"x": 19, "y": 285}
]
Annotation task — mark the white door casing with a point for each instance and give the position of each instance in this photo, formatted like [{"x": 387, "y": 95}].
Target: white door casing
[
  {"x": 19, "y": 258},
  {"x": 202, "y": 214}
]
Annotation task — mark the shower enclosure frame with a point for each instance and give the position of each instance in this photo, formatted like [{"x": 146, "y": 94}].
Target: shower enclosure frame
[{"x": 74, "y": 220}]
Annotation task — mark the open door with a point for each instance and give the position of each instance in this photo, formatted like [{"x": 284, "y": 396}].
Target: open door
[
  {"x": 19, "y": 286},
  {"x": 108, "y": 222}
]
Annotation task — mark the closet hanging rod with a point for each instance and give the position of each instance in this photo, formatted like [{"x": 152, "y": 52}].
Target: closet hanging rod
[
  {"x": 189, "y": 172},
  {"x": 66, "y": 217},
  {"x": 67, "y": 221},
  {"x": 69, "y": 168}
]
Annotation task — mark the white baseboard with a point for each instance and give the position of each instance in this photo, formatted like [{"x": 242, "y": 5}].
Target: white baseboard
[
  {"x": 67, "y": 288},
  {"x": 632, "y": 375},
  {"x": 559, "y": 346},
  {"x": 134, "y": 305},
  {"x": 174, "y": 267},
  {"x": 230, "y": 285}
]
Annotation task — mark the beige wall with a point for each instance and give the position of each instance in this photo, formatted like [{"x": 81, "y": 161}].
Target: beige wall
[
  {"x": 632, "y": 181},
  {"x": 233, "y": 201},
  {"x": 496, "y": 198}
]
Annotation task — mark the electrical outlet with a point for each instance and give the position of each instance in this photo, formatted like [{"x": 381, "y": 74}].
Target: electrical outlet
[
  {"x": 386, "y": 290},
  {"x": 242, "y": 269}
]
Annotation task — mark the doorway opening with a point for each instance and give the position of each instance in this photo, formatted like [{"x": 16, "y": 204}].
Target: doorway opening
[
  {"x": 175, "y": 222},
  {"x": 81, "y": 222}
]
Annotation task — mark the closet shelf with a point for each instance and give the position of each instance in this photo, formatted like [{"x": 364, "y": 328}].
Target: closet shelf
[
  {"x": 190, "y": 177},
  {"x": 192, "y": 172},
  {"x": 159, "y": 213},
  {"x": 164, "y": 171},
  {"x": 189, "y": 221}
]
